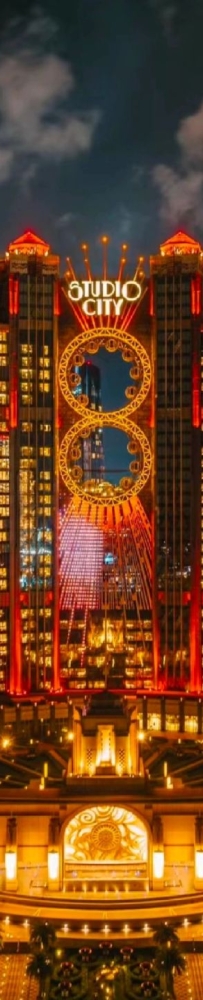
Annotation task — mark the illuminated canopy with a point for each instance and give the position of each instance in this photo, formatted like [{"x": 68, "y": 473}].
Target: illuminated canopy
[
  {"x": 180, "y": 243},
  {"x": 29, "y": 243}
]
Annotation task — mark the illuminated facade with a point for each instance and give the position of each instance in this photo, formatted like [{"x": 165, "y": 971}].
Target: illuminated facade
[
  {"x": 176, "y": 306},
  {"x": 105, "y": 528},
  {"x": 28, "y": 469},
  {"x": 100, "y": 588},
  {"x": 106, "y": 810},
  {"x": 101, "y": 570}
]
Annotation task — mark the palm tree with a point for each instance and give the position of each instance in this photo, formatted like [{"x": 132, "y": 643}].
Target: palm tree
[
  {"x": 41, "y": 968},
  {"x": 42, "y": 946},
  {"x": 43, "y": 938},
  {"x": 164, "y": 933},
  {"x": 169, "y": 960}
]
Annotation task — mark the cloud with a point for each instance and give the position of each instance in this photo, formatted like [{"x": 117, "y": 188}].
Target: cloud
[
  {"x": 190, "y": 137},
  {"x": 35, "y": 88},
  {"x": 65, "y": 220},
  {"x": 6, "y": 160},
  {"x": 124, "y": 221},
  {"x": 181, "y": 188},
  {"x": 166, "y": 11}
]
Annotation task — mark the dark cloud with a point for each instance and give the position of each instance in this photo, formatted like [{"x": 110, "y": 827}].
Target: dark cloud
[
  {"x": 100, "y": 108},
  {"x": 35, "y": 88},
  {"x": 181, "y": 187}
]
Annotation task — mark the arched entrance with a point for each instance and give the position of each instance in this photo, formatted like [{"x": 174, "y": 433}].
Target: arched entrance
[{"x": 105, "y": 851}]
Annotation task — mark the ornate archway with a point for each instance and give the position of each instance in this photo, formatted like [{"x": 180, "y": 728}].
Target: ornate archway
[{"x": 106, "y": 849}]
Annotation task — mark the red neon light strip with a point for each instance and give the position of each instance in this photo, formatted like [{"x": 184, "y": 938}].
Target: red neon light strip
[
  {"x": 77, "y": 308},
  {"x": 57, "y": 309},
  {"x": 193, "y": 297},
  {"x": 16, "y": 297},
  {"x": 13, "y": 409},
  {"x": 151, "y": 297},
  {"x": 198, "y": 294},
  {"x": 10, "y": 292},
  {"x": 196, "y": 408},
  {"x": 131, "y": 311},
  {"x": 92, "y": 322}
]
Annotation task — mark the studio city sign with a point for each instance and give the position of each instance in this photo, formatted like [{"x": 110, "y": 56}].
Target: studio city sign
[{"x": 103, "y": 298}]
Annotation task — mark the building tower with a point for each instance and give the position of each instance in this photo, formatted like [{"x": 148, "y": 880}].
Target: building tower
[
  {"x": 28, "y": 466},
  {"x": 105, "y": 533},
  {"x": 176, "y": 306}
]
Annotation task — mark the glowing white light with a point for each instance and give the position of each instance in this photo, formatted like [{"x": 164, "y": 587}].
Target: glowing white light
[
  {"x": 53, "y": 865},
  {"x": 158, "y": 863},
  {"x": 97, "y": 297},
  {"x": 199, "y": 863},
  {"x": 11, "y": 864}
]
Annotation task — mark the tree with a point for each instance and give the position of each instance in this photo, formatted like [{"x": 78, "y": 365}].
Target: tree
[
  {"x": 164, "y": 933},
  {"x": 43, "y": 938},
  {"x": 42, "y": 946},
  {"x": 169, "y": 961},
  {"x": 41, "y": 968}
]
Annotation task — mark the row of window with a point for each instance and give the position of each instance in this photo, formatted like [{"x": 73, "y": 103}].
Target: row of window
[{"x": 171, "y": 722}]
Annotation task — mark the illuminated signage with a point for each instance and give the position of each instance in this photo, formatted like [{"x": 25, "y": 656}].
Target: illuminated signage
[{"x": 103, "y": 298}]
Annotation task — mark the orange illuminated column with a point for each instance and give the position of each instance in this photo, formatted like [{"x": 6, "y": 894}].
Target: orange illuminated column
[
  {"x": 195, "y": 613},
  {"x": 56, "y": 660},
  {"x": 155, "y": 626},
  {"x": 15, "y": 680},
  {"x": 195, "y": 638},
  {"x": 57, "y": 308},
  {"x": 151, "y": 297},
  {"x": 196, "y": 400},
  {"x": 154, "y": 609}
]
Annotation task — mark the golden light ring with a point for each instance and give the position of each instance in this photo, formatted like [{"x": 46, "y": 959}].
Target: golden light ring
[
  {"x": 121, "y": 422},
  {"x": 123, "y": 339}
]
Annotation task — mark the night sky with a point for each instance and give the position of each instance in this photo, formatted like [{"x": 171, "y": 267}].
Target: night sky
[{"x": 101, "y": 123}]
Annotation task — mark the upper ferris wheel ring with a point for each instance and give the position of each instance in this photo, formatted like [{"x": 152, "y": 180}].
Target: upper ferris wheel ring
[{"x": 113, "y": 339}]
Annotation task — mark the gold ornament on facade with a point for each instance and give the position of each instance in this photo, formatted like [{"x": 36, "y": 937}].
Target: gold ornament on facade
[
  {"x": 106, "y": 833},
  {"x": 97, "y": 494},
  {"x": 132, "y": 350},
  {"x": 105, "y": 841}
]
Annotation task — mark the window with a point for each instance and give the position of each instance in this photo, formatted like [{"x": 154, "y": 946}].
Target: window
[
  {"x": 172, "y": 722},
  {"x": 191, "y": 724},
  {"x": 153, "y": 721}
]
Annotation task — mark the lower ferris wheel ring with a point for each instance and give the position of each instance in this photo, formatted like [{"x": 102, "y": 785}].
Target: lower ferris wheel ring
[{"x": 104, "y": 493}]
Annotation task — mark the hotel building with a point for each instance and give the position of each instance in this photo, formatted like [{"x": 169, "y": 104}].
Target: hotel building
[
  {"x": 177, "y": 326},
  {"x": 28, "y": 466},
  {"x": 101, "y": 708}
]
